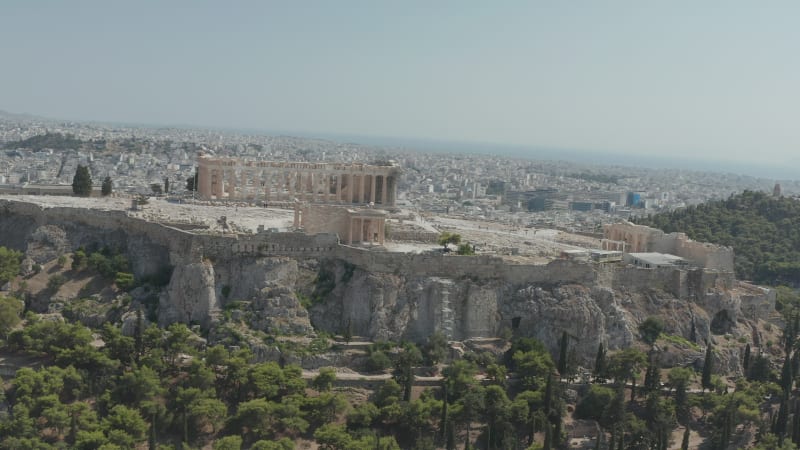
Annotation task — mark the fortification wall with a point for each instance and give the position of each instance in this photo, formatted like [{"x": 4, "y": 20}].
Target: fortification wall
[
  {"x": 477, "y": 266},
  {"x": 187, "y": 247},
  {"x": 639, "y": 238},
  {"x": 412, "y": 235},
  {"x": 638, "y": 279}
]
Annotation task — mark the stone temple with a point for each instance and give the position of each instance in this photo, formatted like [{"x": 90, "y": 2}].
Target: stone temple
[
  {"x": 327, "y": 197},
  {"x": 279, "y": 181}
]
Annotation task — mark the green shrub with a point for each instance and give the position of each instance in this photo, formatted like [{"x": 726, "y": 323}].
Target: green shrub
[
  {"x": 124, "y": 280},
  {"x": 594, "y": 403},
  {"x": 378, "y": 362},
  {"x": 10, "y": 261},
  {"x": 56, "y": 281},
  {"x": 651, "y": 328}
]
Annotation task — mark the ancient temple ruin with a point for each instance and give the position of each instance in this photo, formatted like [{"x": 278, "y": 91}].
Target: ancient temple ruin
[{"x": 277, "y": 181}]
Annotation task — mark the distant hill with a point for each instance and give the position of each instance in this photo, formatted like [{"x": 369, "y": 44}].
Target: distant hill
[
  {"x": 56, "y": 141},
  {"x": 763, "y": 230}
]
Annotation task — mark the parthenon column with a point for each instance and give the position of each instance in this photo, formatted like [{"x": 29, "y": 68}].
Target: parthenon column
[
  {"x": 301, "y": 193},
  {"x": 383, "y": 190},
  {"x": 313, "y": 181},
  {"x": 372, "y": 190},
  {"x": 352, "y": 224},
  {"x": 351, "y": 186},
  {"x": 338, "y": 187},
  {"x": 361, "y": 188}
]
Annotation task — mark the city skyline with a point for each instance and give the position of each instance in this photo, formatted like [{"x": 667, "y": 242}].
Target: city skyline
[{"x": 711, "y": 82}]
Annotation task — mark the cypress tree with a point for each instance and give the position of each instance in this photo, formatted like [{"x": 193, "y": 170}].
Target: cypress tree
[
  {"x": 138, "y": 329},
  {"x": 444, "y": 418},
  {"x": 783, "y": 417},
  {"x": 685, "y": 442},
  {"x": 600, "y": 363},
  {"x": 152, "y": 441},
  {"x": 82, "y": 182},
  {"x": 450, "y": 443},
  {"x": 107, "y": 186},
  {"x": 786, "y": 375},
  {"x": 652, "y": 377},
  {"x": 562, "y": 356},
  {"x": 746, "y": 359},
  {"x": 708, "y": 367},
  {"x": 548, "y": 437}
]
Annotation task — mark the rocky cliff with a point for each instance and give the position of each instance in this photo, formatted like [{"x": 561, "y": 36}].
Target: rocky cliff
[{"x": 287, "y": 282}]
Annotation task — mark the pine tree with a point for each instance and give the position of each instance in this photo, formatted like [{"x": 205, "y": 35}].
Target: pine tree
[
  {"x": 166, "y": 185},
  {"x": 107, "y": 186},
  {"x": 708, "y": 367},
  {"x": 82, "y": 182}
]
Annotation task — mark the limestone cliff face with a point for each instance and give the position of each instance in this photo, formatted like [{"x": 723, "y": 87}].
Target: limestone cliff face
[
  {"x": 191, "y": 295},
  {"x": 261, "y": 291},
  {"x": 391, "y": 306},
  {"x": 261, "y": 278}
]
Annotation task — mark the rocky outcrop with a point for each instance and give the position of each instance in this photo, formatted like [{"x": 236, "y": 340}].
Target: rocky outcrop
[
  {"x": 191, "y": 295},
  {"x": 396, "y": 296}
]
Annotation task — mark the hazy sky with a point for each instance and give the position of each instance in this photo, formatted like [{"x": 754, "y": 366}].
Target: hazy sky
[{"x": 717, "y": 79}]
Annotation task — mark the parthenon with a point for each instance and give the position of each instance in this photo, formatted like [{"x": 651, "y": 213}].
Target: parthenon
[{"x": 271, "y": 181}]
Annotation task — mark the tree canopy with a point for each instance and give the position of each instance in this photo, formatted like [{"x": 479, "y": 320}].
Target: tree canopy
[
  {"x": 762, "y": 230},
  {"x": 10, "y": 261},
  {"x": 107, "y": 186},
  {"x": 82, "y": 182}
]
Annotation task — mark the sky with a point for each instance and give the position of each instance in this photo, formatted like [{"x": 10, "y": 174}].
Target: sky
[{"x": 716, "y": 80}]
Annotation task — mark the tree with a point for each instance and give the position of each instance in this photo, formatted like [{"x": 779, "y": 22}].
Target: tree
[
  {"x": 435, "y": 350},
  {"x": 127, "y": 420},
  {"x": 10, "y": 261},
  {"x": 562, "y": 354},
  {"x": 708, "y": 367},
  {"x": 324, "y": 381},
  {"x": 466, "y": 249},
  {"x": 107, "y": 186},
  {"x": 651, "y": 329},
  {"x": 166, "y": 185},
  {"x": 228, "y": 443},
  {"x": 600, "y": 363},
  {"x": 191, "y": 183},
  {"x": 686, "y": 435},
  {"x": 82, "y": 182},
  {"x": 10, "y": 309},
  {"x": 746, "y": 359},
  {"x": 593, "y": 404},
  {"x": 447, "y": 238},
  {"x": 679, "y": 378},
  {"x": 404, "y": 368}
]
